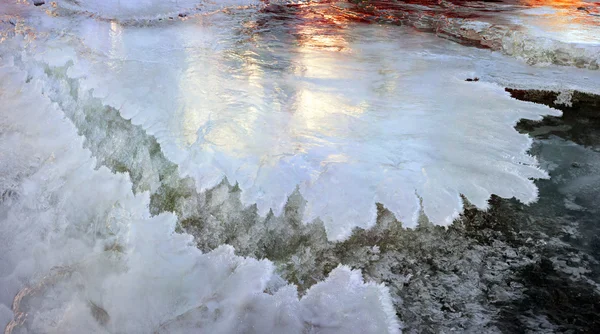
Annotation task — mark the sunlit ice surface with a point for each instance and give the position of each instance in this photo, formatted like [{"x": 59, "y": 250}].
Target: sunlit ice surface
[
  {"x": 123, "y": 10},
  {"x": 566, "y": 21},
  {"x": 347, "y": 113},
  {"x": 350, "y": 114}
]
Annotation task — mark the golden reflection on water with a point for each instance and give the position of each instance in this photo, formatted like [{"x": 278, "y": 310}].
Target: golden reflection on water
[{"x": 320, "y": 27}]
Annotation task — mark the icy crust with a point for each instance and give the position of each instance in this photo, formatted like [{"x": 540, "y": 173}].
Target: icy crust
[
  {"x": 80, "y": 252},
  {"x": 309, "y": 123},
  {"x": 565, "y": 34},
  {"x": 577, "y": 23},
  {"x": 439, "y": 280}
]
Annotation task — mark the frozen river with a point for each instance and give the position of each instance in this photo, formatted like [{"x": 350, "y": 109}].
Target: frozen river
[{"x": 284, "y": 102}]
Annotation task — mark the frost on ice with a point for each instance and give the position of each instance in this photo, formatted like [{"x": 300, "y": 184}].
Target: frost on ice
[
  {"x": 80, "y": 254},
  {"x": 387, "y": 117}
]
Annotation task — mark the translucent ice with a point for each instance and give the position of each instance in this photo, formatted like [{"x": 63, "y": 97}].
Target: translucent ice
[
  {"x": 348, "y": 114},
  {"x": 80, "y": 254}
]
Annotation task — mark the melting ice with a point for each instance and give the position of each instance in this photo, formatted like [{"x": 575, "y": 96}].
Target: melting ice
[{"x": 347, "y": 114}]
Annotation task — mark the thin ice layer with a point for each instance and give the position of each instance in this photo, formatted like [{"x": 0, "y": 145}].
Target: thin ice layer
[
  {"x": 368, "y": 115},
  {"x": 80, "y": 253},
  {"x": 539, "y": 32}
]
